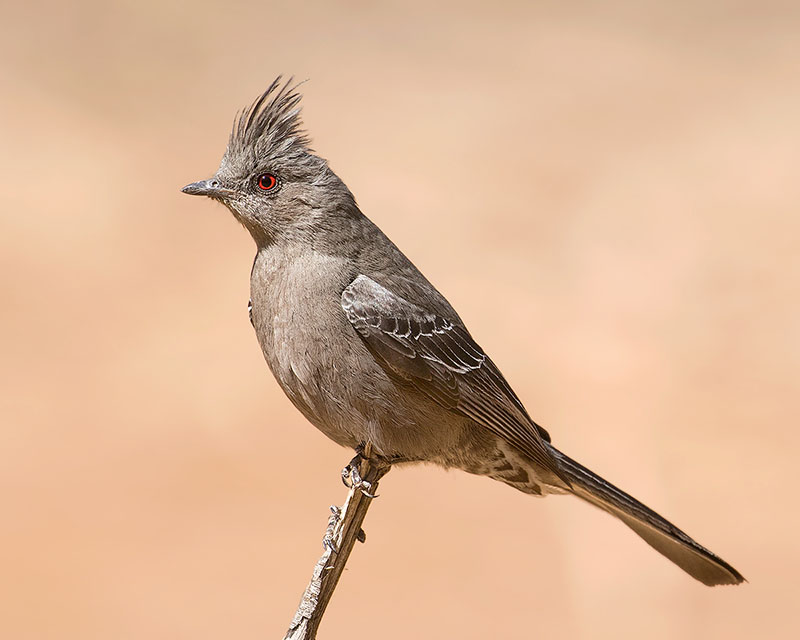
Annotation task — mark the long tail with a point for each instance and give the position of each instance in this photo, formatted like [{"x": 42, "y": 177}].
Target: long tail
[{"x": 663, "y": 536}]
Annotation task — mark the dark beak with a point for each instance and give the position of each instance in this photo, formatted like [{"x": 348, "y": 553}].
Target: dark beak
[{"x": 210, "y": 188}]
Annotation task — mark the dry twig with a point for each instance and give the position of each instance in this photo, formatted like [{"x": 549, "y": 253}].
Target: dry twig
[{"x": 344, "y": 528}]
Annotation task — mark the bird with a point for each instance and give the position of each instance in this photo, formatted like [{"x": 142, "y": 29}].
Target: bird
[{"x": 370, "y": 352}]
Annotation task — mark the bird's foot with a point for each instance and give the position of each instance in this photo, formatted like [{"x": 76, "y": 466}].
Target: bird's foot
[
  {"x": 351, "y": 477},
  {"x": 371, "y": 464},
  {"x": 347, "y": 472}
]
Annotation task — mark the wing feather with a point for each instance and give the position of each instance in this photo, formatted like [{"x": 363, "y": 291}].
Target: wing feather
[{"x": 441, "y": 359}]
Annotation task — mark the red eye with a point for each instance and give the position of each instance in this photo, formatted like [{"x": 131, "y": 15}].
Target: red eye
[{"x": 267, "y": 182}]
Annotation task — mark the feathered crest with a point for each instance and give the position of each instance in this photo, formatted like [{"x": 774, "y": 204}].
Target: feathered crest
[{"x": 272, "y": 124}]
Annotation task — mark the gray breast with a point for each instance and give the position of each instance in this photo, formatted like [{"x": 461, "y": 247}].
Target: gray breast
[{"x": 305, "y": 337}]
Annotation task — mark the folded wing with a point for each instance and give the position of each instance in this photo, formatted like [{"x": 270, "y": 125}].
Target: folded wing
[{"x": 440, "y": 358}]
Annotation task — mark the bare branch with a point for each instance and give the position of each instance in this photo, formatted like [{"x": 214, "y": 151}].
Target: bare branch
[{"x": 344, "y": 528}]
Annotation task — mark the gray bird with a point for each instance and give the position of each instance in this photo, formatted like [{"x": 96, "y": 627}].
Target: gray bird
[{"x": 370, "y": 352}]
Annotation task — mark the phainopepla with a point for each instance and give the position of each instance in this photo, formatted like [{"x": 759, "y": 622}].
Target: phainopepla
[{"x": 370, "y": 352}]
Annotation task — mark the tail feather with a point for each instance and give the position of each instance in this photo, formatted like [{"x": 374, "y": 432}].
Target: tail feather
[{"x": 660, "y": 534}]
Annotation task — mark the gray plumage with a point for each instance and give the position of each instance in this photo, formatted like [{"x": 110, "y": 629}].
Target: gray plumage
[{"x": 369, "y": 351}]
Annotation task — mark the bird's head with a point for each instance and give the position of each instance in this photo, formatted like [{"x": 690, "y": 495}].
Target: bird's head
[{"x": 270, "y": 178}]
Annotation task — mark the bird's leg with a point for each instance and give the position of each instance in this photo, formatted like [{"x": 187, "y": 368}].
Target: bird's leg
[
  {"x": 373, "y": 466},
  {"x": 351, "y": 474},
  {"x": 358, "y": 482},
  {"x": 347, "y": 471}
]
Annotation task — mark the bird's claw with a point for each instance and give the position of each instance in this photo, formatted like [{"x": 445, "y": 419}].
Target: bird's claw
[
  {"x": 359, "y": 483},
  {"x": 347, "y": 472},
  {"x": 351, "y": 477}
]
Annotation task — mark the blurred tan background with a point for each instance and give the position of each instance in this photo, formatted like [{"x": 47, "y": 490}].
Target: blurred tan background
[{"x": 608, "y": 193}]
